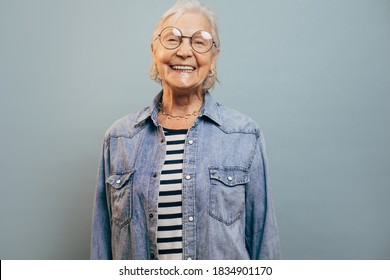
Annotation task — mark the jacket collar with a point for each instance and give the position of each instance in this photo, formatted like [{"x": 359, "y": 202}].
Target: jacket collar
[{"x": 210, "y": 110}]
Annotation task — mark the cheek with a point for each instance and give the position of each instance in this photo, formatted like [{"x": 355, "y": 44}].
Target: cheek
[
  {"x": 205, "y": 66},
  {"x": 159, "y": 60},
  {"x": 206, "y": 61},
  {"x": 160, "y": 57}
]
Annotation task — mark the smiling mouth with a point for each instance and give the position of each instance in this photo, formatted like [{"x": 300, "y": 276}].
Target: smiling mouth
[{"x": 183, "y": 68}]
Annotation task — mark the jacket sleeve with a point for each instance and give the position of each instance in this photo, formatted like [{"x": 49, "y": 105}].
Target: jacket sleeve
[
  {"x": 262, "y": 237},
  {"x": 101, "y": 226}
]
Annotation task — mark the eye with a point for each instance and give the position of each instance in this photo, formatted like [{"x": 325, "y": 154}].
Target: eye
[
  {"x": 199, "y": 42},
  {"x": 171, "y": 39},
  {"x": 201, "y": 39}
]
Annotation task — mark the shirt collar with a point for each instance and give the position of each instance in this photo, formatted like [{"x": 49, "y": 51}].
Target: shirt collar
[
  {"x": 151, "y": 111},
  {"x": 210, "y": 110}
]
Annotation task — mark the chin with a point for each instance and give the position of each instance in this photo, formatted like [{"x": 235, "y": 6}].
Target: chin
[
  {"x": 183, "y": 86},
  {"x": 186, "y": 87}
]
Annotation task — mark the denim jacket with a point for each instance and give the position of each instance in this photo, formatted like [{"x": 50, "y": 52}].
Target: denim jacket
[{"x": 227, "y": 206}]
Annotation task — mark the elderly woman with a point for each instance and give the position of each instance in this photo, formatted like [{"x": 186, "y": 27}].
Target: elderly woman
[{"x": 185, "y": 178}]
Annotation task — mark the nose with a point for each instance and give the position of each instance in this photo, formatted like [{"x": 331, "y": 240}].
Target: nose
[{"x": 185, "y": 49}]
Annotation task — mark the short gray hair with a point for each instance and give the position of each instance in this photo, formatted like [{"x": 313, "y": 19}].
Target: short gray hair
[{"x": 181, "y": 7}]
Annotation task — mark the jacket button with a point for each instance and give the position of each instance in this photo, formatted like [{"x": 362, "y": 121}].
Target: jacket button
[
  {"x": 150, "y": 215},
  {"x": 191, "y": 219},
  {"x": 190, "y": 142},
  {"x": 230, "y": 178},
  {"x": 118, "y": 181},
  {"x": 188, "y": 177}
]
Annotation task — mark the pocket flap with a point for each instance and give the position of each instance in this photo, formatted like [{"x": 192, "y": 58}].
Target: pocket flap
[
  {"x": 119, "y": 180},
  {"x": 230, "y": 176}
]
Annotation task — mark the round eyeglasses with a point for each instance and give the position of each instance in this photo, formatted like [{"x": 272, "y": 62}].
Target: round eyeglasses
[{"x": 171, "y": 38}]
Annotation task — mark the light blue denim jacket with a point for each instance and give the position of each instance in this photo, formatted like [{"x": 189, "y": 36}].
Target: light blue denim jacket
[{"x": 227, "y": 207}]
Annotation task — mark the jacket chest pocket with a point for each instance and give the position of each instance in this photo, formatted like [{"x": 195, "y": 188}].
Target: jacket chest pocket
[
  {"x": 121, "y": 197},
  {"x": 227, "y": 193}
]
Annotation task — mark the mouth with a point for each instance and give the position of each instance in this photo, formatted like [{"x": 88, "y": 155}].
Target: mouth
[{"x": 183, "y": 68}]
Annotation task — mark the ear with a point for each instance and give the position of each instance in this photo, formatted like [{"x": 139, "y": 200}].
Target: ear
[
  {"x": 153, "y": 50},
  {"x": 214, "y": 58}
]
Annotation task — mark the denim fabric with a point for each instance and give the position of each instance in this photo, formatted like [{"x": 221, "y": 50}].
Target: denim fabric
[{"x": 227, "y": 205}]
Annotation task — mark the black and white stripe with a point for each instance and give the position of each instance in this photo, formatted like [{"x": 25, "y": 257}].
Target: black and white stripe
[{"x": 170, "y": 223}]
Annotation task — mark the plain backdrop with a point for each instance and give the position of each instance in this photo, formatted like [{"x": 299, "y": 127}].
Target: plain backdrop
[{"x": 314, "y": 74}]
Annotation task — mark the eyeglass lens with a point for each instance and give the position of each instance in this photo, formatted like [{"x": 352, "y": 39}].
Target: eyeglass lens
[{"x": 171, "y": 38}]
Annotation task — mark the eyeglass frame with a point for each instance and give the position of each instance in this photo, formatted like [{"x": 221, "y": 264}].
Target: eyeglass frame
[{"x": 181, "y": 39}]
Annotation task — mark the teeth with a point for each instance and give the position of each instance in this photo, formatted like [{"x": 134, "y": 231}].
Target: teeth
[{"x": 183, "y": 68}]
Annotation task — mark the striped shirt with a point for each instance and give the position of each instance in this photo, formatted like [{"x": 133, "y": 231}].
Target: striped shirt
[{"x": 170, "y": 223}]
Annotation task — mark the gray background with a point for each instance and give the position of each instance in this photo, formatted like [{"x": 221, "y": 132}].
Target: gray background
[{"x": 314, "y": 74}]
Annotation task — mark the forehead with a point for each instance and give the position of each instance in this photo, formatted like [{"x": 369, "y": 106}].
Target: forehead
[{"x": 189, "y": 22}]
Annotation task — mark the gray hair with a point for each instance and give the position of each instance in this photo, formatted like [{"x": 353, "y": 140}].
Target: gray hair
[{"x": 181, "y": 7}]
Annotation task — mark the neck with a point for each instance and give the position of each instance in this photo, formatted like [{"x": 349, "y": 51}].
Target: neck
[
  {"x": 179, "y": 110},
  {"x": 181, "y": 104}
]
